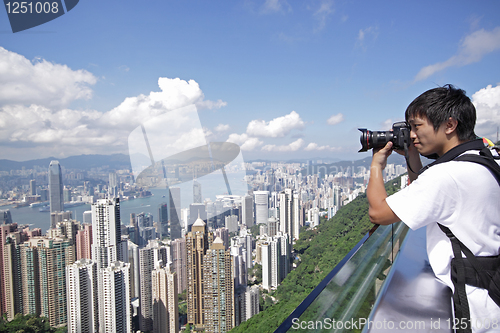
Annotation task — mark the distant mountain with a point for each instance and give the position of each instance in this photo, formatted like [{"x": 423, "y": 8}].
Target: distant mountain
[{"x": 83, "y": 162}]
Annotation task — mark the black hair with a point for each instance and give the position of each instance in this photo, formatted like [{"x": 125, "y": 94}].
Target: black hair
[{"x": 439, "y": 104}]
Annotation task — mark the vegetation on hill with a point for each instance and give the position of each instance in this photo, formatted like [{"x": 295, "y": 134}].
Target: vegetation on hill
[
  {"x": 319, "y": 250},
  {"x": 28, "y": 324}
]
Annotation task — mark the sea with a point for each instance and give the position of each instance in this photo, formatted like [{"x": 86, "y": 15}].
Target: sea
[{"x": 211, "y": 186}]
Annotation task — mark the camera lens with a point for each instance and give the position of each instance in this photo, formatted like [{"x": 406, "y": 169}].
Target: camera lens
[{"x": 374, "y": 139}]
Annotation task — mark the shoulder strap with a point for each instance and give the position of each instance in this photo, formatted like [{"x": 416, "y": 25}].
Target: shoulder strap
[
  {"x": 484, "y": 158},
  {"x": 460, "y": 301},
  {"x": 455, "y": 152}
]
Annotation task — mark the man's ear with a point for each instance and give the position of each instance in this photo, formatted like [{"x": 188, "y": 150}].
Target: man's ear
[{"x": 451, "y": 125}]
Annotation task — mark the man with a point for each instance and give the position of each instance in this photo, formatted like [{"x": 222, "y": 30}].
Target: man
[{"x": 462, "y": 196}]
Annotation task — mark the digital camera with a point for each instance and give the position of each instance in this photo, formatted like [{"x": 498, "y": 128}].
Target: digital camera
[{"x": 400, "y": 137}]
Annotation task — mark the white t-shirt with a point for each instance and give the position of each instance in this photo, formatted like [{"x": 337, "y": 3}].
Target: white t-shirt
[{"x": 464, "y": 197}]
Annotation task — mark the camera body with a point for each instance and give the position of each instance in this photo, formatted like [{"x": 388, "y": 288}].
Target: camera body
[{"x": 400, "y": 137}]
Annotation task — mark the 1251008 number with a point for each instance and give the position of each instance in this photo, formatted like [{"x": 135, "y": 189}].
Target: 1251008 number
[{"x": 30, "y": 7}]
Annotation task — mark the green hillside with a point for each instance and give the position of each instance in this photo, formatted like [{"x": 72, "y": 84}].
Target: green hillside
[{"x": 319, "y": 251}]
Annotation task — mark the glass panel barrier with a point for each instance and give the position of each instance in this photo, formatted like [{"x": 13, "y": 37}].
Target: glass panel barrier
[{"x": 350, "y": 293}]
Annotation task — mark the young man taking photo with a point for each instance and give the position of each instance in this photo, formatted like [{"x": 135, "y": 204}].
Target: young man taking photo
[{"x": 462, "y": 196}]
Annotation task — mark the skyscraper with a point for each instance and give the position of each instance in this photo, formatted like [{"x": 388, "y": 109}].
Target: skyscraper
[
  {"x": 178, "y": 251},
  {"x": 12, "y": 275},
  {"x": 32, "y": 187},
  {"x": 261, "y": 206},
  {"x": 83, "y": 309},
  {"x": 84, "y": 242},
  {"x": 106, "y": 232},
  {"x": 163, "y": 220},
  {"x": 55, "y": 187},
  {"x": 218, "y": 289},
  {"x": 153, "y": 256},
  {"x": 6, "y": 227},
  {"x": 247, "y": 211},
  {"x": 174, "y": 212},
  {"x": 113, "y": 185},
  {"x": 43, "y": 277},
  {"x": 198, "y": 241},
  {"x": 114, "y": 302},
  {"x": 165, "y": 301},
  {"x": 197, "y": 198},
  {"x": 286, "y": 212}
]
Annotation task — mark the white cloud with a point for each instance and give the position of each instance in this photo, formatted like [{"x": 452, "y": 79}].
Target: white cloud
[
  {"x": 472, "y": 49},
  {"x": 244, "y": 141},
  {"x": 174, "y": 94},
  {"x": 222, "y": 128},
  {"x": 369, "y": 34},
  {"x": 487, "y": 103},
  {"x": 294, "y": 146},
  {"x": 278, "y": 127},
  {"x": 41, "y": 82},
  {"x": 315, "y": 147},
  {"x": 323, "y": 13},
  {"x": 32, "y": 125},
  {"x": 274, "y": 6},
  {"x": 335, "y": 119}
]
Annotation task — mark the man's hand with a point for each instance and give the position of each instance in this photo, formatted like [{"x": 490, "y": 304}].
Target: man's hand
[
  {"x": 379, "y": 211},
  {"x": 379, "y": 159}
]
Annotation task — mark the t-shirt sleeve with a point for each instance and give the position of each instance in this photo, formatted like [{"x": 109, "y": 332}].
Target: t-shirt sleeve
[{"x": 430, "y": 198}]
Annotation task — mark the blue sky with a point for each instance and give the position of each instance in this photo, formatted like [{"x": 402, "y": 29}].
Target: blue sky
[{"x": 283, "y": 79}]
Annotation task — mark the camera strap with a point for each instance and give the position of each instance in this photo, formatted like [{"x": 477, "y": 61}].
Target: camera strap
[{"x": 407, "y": 157}]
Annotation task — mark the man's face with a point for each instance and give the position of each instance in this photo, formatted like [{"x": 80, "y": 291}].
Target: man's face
[{"x": 426, "y": 140}]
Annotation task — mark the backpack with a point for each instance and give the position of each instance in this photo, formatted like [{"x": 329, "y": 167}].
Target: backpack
[{"x": 477, "y": 271}]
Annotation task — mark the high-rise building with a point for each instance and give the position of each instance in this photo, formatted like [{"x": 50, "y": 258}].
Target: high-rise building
[
  {"x": 43, "y": 277},
  {"x": 32, "y": 187},
  {"x": 197, "y": 198},
  {"x": 178, "y": 250},
  {"x": 56, "y": 217},
  {"x": 12, "y": 275},
  {"x": 261, "y": 206},
  {"x": 5, "y": 228},
  {"x": 113, "y": 189},
  {"x": 114, "y": 300},
  {"x": 196, "y": 210},
  {"x": 198, "y": 241},
  {"x": 239, "y": 264},
  {"x": 270, "y": 269},
  {"x": 251, "y": 301},
  {"x": 286, "y": 212},
  {"x": 87, "y": 217},
  {"x": 223, "y": 233},
  {"x": 107, "y": 244},
  {"x": 53, "y": 257},
  {"x": 231, "y": 223},
  {"x": 55, "y": 187},
  {"x": 84, "y": 242},
  {"x": 275, "y": 258},
  {"x": 153, "y": 256},
  {"x": 135, "y": 271},
  {"x": 247, "y": 211},
  {"x": 165, "y": 301},
  {"x": 296, "y": 212},
  {"x": 218, "y": 289},
  {"x": 163, "y": 220},
  {"x": 5, "y": 217},
  {"x": 83, "y": 309},
  {"x": 174, "y": 212}
]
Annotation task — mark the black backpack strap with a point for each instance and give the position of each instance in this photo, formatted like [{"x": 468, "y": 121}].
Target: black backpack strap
[
  {"x": 484, "y": 158},
  {"x": 461, "y": 304}
]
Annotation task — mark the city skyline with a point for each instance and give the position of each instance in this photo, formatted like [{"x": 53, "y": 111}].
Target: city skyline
[{"x": 281, "y": 80}]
